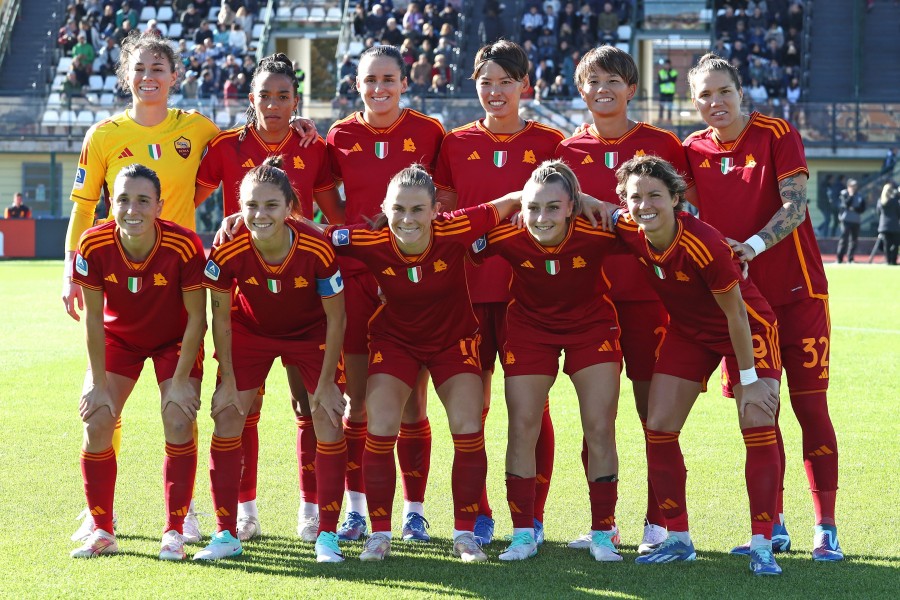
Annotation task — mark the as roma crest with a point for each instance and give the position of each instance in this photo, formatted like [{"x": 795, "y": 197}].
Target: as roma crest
[{"x": 183, "y": 147}]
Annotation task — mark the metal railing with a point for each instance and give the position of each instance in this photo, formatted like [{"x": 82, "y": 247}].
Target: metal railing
[{"x": 7, "y": 22}]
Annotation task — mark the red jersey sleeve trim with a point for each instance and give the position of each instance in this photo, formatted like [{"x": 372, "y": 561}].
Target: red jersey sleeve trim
[
  {"x": 794, "y": 172},
  {"x": 83, "y": 284},
  {"x": 216, "y": 288},
  {"x": 191, "y": 288},
  {"x": 207, "y": 184},
  {"x": 726, "y": 289},
  {"x": 324, "y": 188}
]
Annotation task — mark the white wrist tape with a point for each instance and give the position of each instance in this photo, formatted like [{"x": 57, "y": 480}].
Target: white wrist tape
[
  {"x": 757, "y": 243},
  {"x": 748, "y": 376}
]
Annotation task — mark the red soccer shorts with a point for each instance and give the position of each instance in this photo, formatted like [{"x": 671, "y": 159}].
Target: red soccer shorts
[
  {"x": 804, "y": 329},
  {"x": 525, "y": 354},
  {"x": 252, "y": 356},
  {"x": 492, "y": 327},
  {"x": 392, "y": 358},
  {"x": 124, "y": 360},
  {"x": 688, "y": 359},
  {"x": 361, "y": 301},
  {"x": 643, "y": 329}
]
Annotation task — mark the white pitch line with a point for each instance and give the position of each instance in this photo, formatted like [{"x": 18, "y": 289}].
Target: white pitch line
[{"x": 867, "y": 330}]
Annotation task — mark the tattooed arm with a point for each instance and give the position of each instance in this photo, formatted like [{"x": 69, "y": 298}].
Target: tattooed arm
[{"x": 792, "y": 212}]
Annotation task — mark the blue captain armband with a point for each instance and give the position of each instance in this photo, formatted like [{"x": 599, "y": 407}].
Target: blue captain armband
[{"x": 331, "y": 286}]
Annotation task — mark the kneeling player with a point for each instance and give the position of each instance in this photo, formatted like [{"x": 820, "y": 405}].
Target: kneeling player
[
  {"x": 143, "y": 299},
  {"x": 715, "y": 314},
  {"x": 288, "y": 303}
]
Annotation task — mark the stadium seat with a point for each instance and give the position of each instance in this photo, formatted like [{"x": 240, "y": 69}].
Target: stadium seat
[
  {"x": 283, "y": 13},
  {"x": 58, "y": 82},
  {"x": 85, "y": 118},
  {"x": 65, "y": 63},
  {"x": 101, "y": 115},
  {"x": 95, "y": 82},
  {"x": 623, "y": 47},
  {"x": 174, "y": 99},
  {"x": 213, "y": 15},
  {"x": 66, "y": 117},
  {"x": 54, "y": 100},
  {"x": 258, "y": 30},
  {"x": 164, "y": 14},
  {"x": 50, "y": 118},
  {"x": 107, "y": 99},
  {"x": 334, "y": 15},
  {"x": 355, "y": 48},
  {"x": 223, "y": 119},
  {"x": 706, "y": 15},
  {"x": 163, "y": 28},
  {"x": 148, "y": 13},
  {"x": 301, "y": 14},
  {"x": 317, "y": 14},
  {"x": 624, "y": 32},
  {"x": 175, "y": 31},
  {"x": 109, "y": 84},
  {"x": 92, "y": 98}
]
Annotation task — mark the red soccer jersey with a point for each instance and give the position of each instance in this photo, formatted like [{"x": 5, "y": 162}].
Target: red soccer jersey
[
  {"x": 227, "y": 160},
  {"x": 698, "y": 264},
  {"x": 480, "y": 166},
  {"x": 558, "y": 291},
  {"x": 278, "y": 301},
  {"x": 428, "y": 306},
  {"x": 738, "y": 193},
  {"x": 365, "y": 158},
  {"x": 144, "y": 308},
  {"x": 595, "y": 160}
]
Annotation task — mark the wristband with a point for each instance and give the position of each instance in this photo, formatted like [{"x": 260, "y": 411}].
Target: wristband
[
  {"x": 748, "y": 376},
  {"x": 67, "y": 267},
  {"x": 757, "y": 243}
]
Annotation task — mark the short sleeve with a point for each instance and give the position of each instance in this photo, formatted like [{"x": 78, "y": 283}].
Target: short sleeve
[{"x": 192, "y": 271}]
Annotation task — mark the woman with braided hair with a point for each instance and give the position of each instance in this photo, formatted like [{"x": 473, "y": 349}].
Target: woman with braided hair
[{"x": 229, "y": 157}]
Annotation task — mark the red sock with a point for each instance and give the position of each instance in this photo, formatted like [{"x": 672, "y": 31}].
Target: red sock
[
  {"x": 665, "y": 464},
  {"x": 543, "y": 459},
  {"x": 331, "y": 464},
  {"x": 484, "y": 506},
  {"x": 224, "y": 478},
  {"x": 761, "y": 473},
  {"x": 520, "y": 496},
  {"x": 306, "y": 460},
  {"x": 249, "y": 458},
  {"x": 414, "y": 457},
  {"x": 380, "y": 472},
  {"x": 654, "y": 515},
  {"x": 603, "y": 496},
  {"x": 468, "y": 478},
  {"x": 179, "y": 472},
  {"x": 355, "y": 434},
  {"x": 779, "y": 440},
  {"x": 98, "y": 469},
  {"x": 820, "y": 452}
]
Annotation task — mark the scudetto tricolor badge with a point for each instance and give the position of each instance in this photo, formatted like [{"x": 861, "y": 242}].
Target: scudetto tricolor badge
[
  {"x": 381, "y": 149},
  {"x": 499, "y": 158},
  {"x": 611, "y": 159},
  {"x": 274, "y": 285},
  {"x": 552, "y": 266},
  {"x": 134, "y": 284},
  {"x": 414, "y": 274},
  {"x": 155, "y": 151},
  {"x": 659, "y": 272},
  {"x": 727, "y": 164},
  {"x": 183, "y": 147}
]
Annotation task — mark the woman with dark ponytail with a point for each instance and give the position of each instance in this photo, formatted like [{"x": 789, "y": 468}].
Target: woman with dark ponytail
[{"x": 229, "y": 157}]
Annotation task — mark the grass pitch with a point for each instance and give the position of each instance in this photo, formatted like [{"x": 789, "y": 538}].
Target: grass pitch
[{"x": 43, "y": 358}]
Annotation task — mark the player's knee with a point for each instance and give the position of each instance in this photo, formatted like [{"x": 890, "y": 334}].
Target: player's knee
[
  {"x": 176, "y": 424},
  {"x": 99, "y": 425}
]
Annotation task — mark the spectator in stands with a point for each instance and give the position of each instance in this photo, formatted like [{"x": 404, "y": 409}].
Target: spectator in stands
[
  {"x": 448, "y": 31},
  {"x": 584, "y": 39},
  {"x": 775, "y": 32},
  {"x": 441, "y": 68},
  {"x": 491, "y": 28},
  {"x": 742, "y": 68},
  {"x": 237, "y": 39},
  {"x": 107, "y": 23},
  {"x": 86, "y": 51},
  {"x": 392, "y": 36},
  {"x": 569, "y": 63},
  {"x": 190, "y": 20},
  {"x": 190, "y": 90},
  {"x": 756, "y": 19},
  {"x": 774, "y": 81},
  {"x": 444, "y": 47},
  {"x": 359, "y": 21},
  {"x": 666, "y": 79},
  {"x": 559, "y": 89},
  {"x": 547, "y": 44},
  {"x": 569, "y": 16},
  {"x": 550, "y": 20},
  {"x": 376, "y": 21},
  {"x": 413, "y": 19},
  {"x": 890, "y": 161},
  {"x": 428, "y": 34},
  {"x": 230, "y": 95},
  {"x": 438, "y": 86},
  {"x": 225, "y": 17},
  {"x": 105, "y": 63},
  {"x": 123, "y": 31},
  {"x": 759, "y": 97},
  {"x": 17, "y": 210},
  {"x": 71, "y": 88},
  {"x": 203, "y": 33},
  {"x": 230, "y": 68},
  {"x": 82, "y": 74},
  {"x": 794, "y": 16},
  {"x": 727, "y": 21},
  {"x": 888, "y": 208},
  {"x": 853, "y": 205},
  {"x": 348, "y": 67},
  {"x": 153, "y": 28},
  {"x": 824, "y": 201},
  {"x": 607, "y": 25},
  {"x": 837, "y": 188},
  {"x": 245, "y": 19},
  {"x": 420, "y": 75},
  {"x": 790, "y": 57},
  {"x": 126, "y": 13},
  {"x": 427, "y": 48},
  {"x": 209, "y": 50},
  {"x": 242, "y": 83},
  {"x": 409, "y": 54},
  {"x": 792, "y": 110},
  {"x": 92, "y": 36},
  {"x": 741, "y": 51},
  {"x": 544, "y": 70},
  {"x": 93, "y": 8},
  {"x": 67, "y": 36},
  {"x": 532, "y": 24},
  {"x": 208, "y": 90},
  {"x": 587, "y": 16}
]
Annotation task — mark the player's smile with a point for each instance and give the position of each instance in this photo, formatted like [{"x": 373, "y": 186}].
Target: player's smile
[
  {"x": 150, "y": 76},
  {"x": 410, "y": 214},
  {"x": 605, "y": 92},
  {"x": 547, "y": 209},
  {"x": 719, "y": 103},
  {"x": 498, "y": 92},
  {"x": 135, "y": 206},
  {"x": 380, "y": 84},
  {"x": 264, "y": 209},
  {"x": 652, "y": 207}
]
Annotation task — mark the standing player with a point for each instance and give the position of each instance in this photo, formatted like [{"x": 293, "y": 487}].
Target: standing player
[
  {"x": 558, "y": 305},
  {"x": 716, "y": 316},
  {"x": 750, "y": 174},
  {"x": 366, "y": 150},
  {"x": 486, "y": 159},
  {"x": 229, "y": 156},
  {"x": 425, "y": 322},
  {"x": 607, "y": 78},
  {"x": 143, "y": 298},
  {"x": 288, "y": 304}
]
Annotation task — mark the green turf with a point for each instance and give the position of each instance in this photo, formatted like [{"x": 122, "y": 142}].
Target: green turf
[{"x": 43, "y": 360}]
